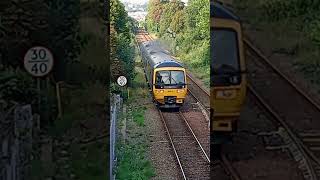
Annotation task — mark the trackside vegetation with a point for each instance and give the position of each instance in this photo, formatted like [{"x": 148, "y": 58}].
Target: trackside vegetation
[
  {"x": 293, "y": 26},
  {"x": 122, "y": 42},
  {"x": 133, "y": 162}
]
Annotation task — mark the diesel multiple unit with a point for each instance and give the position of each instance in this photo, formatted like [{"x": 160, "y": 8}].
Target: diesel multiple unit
[
  {"x": 165, "y": 76},
  {"x": 228, "y": 73}
]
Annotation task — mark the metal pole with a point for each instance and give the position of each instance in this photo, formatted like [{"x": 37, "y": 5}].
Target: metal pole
[
  {"x": 59, "y": 100},
  {"x": 39, "y": 95},
  {"x": 128, "y": 93}
]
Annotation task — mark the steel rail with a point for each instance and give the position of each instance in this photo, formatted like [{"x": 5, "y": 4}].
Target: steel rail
[
  {"x": 172, "y": 144},
  {"x": 294, "y": 138},
  {"x": 192, "y": 94},
  {"x": 195, "y": 137},
  {"x": 205, "y": 91},
  {"x": 228, "y": 167},
  {"x": 291, "y": 83},
  {"x": 201, "y": 104},
  {"x": 266, "y": 60},
  {"x": 188, "y": 76}
]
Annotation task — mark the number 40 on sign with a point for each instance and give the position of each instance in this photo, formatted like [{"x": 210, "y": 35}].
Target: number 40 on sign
[{"x": 38, "y": 61}]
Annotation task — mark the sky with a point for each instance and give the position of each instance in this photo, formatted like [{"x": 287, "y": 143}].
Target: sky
[
  {"x": 141, "y": 1},
  {"x": 135, "y": 1}
]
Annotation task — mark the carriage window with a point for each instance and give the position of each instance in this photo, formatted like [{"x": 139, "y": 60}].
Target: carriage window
[
  {"x": 224, "y": 48},
  {"x": 225, "y": 66},
  {"x": 170, "y": 78}
]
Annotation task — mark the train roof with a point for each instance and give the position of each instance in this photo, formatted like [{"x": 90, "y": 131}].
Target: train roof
[
  {"x": 219, "y": 11},
  {"x": 159, "y": 57}
]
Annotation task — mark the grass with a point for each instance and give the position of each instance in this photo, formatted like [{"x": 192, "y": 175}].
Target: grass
[
  {"x": 138, "y": 115},
  {"x": 133, "y": 162},
  {"x": 287, "y": 34},
  {"x": 89, "y": 162},
  {"x": 39, "y": 170}
]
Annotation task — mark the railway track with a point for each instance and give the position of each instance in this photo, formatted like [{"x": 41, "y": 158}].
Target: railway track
[
  {"x": 292, "y": 109},
  {"x": 195, "y": 90},
  {"x": 223, "y": 170},
  {"x": 190, "y": 146},
  {"x": 193, "y": 160}
]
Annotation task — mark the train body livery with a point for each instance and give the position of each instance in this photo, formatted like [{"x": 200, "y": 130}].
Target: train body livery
[
  {"x": 166, "y": 78},
  {"x": 228, "y": 77}
]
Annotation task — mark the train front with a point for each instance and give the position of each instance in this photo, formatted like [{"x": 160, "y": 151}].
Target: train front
[
  {"x": 170, "y": 87},
  {"x": 228, "y": 74}
]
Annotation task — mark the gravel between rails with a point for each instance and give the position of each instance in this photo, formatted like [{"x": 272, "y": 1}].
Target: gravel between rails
[
  {"x": 160, "y": 151},
  {"x": 248, "y": 153},
  {"x": 191, "y": 157},
  {"x": 218, "y": 172},
  {"x": 197, "y": 121},
  {"x": 285, "y": 100},
  {"x": 199, "y": 93}
]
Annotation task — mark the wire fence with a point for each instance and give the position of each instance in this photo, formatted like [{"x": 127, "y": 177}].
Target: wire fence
[
  {"x": 114, "y": 110},
  {"x": 15, "y": 142}
]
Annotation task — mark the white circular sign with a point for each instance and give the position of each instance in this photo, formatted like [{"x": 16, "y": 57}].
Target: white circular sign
[
  {"x": 38, "y": 61},
  {"x": 122, "y": 80}
]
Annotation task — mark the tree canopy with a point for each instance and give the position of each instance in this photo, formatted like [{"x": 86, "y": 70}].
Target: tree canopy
[
  {"x": 121, "y": 41},
  {"x": 187, "y": 26}
]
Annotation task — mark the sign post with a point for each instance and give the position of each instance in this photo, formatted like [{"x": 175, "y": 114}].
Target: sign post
[
  {"x": 38, "y": 62},
  {"x": 122, "y": 81}
]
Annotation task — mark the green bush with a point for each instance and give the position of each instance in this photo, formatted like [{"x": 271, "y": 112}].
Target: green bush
[{"x": 18, "y": 86}]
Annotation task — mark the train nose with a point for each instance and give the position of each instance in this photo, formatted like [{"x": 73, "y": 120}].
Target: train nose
[{"x": 170, "y": 99}]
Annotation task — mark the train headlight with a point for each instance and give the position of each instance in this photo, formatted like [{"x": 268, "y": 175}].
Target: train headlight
[
  {"x": 159, "y": 91},
  {"x": 180, "y": 90}
]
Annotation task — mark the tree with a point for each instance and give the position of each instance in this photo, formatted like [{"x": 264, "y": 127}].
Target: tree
[{"x": 122, "y": 59}]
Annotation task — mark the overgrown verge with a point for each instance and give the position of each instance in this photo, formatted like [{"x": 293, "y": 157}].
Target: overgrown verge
[
  {"x": 133, "y": 162},
  {"x": 292, "y": 25},
  {"x": 79, "y": 147}
]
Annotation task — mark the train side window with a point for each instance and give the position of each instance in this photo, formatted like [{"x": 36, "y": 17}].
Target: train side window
[{"x": 225, "y": 62}]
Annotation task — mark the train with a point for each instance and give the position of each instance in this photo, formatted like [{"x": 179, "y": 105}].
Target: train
[
  {"x": 228, "y": 73},
  {"x": 165, "y": 76}
]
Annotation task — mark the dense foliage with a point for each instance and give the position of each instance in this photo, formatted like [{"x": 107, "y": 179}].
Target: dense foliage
[
  {"x": 52, "y": 23},
  {"x": 294, "y": 25},
  {"x": 121, "y": 40},
  {"x": 16, "y": 86},
  {"x": 26, "y": 23},
  {"x": 187, "y": 27},
  {"x": 306, "y": 11}
]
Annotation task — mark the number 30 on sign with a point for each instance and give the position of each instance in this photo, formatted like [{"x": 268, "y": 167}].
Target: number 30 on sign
[{"x": 38, "y": 61}]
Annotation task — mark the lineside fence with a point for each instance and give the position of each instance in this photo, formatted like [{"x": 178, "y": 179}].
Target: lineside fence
[
  {"x": 16, "y": 129},
  {"x": 116, "y": 103}
]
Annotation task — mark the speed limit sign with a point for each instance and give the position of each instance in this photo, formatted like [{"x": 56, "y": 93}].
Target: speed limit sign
[
  {"x": 38, "y": 61},
  {"x": 122, "y": 81}
]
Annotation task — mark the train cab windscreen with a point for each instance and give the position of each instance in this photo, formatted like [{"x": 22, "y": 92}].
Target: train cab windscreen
[
  {"x": 170, "y": 80},
  {"x": 225, "y": 67}
]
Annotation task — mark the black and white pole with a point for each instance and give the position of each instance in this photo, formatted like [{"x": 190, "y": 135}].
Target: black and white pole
[
  {"x": 38, "y": 62},
  {"x": 122, "y": 81}
]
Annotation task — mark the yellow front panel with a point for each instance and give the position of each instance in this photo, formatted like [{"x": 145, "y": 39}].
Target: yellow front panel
[
  {"x": 160, "y": 93},
  {"x": 227, "y": 101},
  {"x": 179, "y": 93}
]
